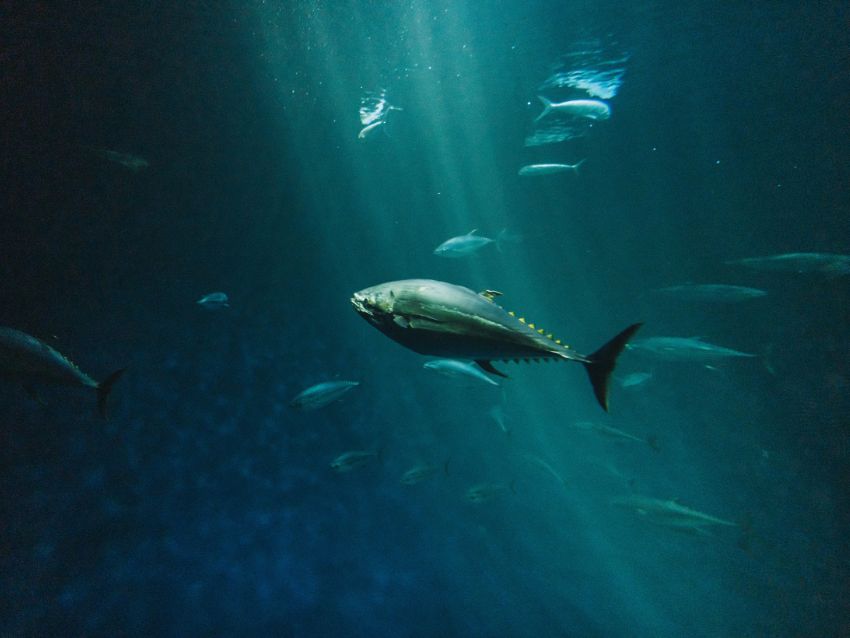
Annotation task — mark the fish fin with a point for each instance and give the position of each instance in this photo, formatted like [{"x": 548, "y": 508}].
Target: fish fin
[
  {"x": 547, "y": 106},
  {"x": 472, "y": 232},
  {"x": 488, "y": 367},
  {"x": 33, "y": 394},
  {"x": 578, "y": 165},
  {"x": 652, "y": 441},
  {"x": 490, "y": 295},
  {"x": 104, "y": 388},
  {"x": 601, "y": 363}
]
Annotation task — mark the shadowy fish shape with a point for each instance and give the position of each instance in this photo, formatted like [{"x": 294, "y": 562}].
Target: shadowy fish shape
[
  {"x": 485, "y": 492},
  {"x": 444, "y": 320},
  {"x": 828, "y": 263},
  {"x": 214, "y": 301},
  {"x": 549, "y": 169},
  {"x": 635, "y": 378},
  {"x": 348, "y": 461},
  {"x": 670, "y": 513},
  {"x": 132, "y": 162},
  {"x": 30, "y": 361},
  {"x": 319, "y": 395},
  {"x": 683, "y": 349},
  {"x": 615, "y": 433},
  {"x": 462, "y": 245},
  {"x": 711, "y": 293},
  {"x": 423, "y": 471},
  {"x": 590, "y": 109},
  {"x": 458, "y": 370}
]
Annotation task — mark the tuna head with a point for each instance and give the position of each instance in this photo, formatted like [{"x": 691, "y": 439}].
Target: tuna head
[{"x": 396, "y": 304}]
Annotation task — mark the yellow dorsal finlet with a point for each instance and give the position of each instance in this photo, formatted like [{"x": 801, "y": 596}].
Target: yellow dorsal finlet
[{"x": 522, "y": 319}]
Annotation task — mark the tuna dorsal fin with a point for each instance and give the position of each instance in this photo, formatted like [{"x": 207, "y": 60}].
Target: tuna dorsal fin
[
  {"x": 472, "y": 232},
  {"x": 490, "y": 295}
]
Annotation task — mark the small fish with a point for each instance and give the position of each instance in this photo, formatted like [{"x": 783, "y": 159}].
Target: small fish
[
  {"x": 670, "y": 513},
  {"x": 348, "y": 461},
  {"x": 711, "y": 293},
  {"x": 133, "y": 162},
  {"x": 214, "y": 301},
  {"x": 484, "y": 492},
  {"x": 444, "y": 320},
  {"x": 321, "y": 394},
  {"x": 683, "y": 349},
  {"x": 635, "y": 378},
  {"x": 458, "y": 370},
  {"x": 615, "y": 433},
  {"x": 462, "y": 245},
  {"x": 590, "y": 109},
  {"x": 366, "y": 130},
  {"x": 827, "y": 263},
  {"x": 30, "y": 361},
  {"x": 498, "y": 415},
  {"x": 538, "y": 461},
  {"x": 423, "y": 471},
  {"x": 549, "y": 169}
]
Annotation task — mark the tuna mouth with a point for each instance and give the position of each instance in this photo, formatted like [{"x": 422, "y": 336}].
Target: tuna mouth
[{"x": 361, "y": 305}]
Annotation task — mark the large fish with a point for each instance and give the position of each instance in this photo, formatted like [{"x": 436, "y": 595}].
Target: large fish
[
  {"x": 670, "y": 513},
  {"x": 829, "y": 263},
  {"x": 30, "y": 361},
  {"x": 711, "y": 293},
  {"x": 684, "y": 349},
  {"x": 590, "y": 109},
  {"x": 445, "y": 320}
]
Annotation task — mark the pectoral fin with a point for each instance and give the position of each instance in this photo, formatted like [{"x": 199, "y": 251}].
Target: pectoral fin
[{"x": 488, "y": 367}]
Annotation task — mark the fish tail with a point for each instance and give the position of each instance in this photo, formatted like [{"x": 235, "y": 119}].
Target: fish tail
[
  {"x": 578, "y": 165},
  {"x": 104, "y": 388},
  {"x": 547, "y": 106},
  {"x": 601, "y": 363}
]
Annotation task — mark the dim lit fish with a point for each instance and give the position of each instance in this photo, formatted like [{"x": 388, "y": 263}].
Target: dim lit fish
[
  {"x": 458, "y": 370},
  {"x": 462, "y": 245},
  {"x": 615, "y": 433},
  {"x": 549, "y": 169},
  {"x": 498, "y": 415},
  {"x": 484, "y": 492},
  {"x": 441, "y": 319},
  {"x": 541, "y": 463},
  {"x": 353, "y": 460},
  {"x": 133, "y": 162},
  {"x": 635, "y": 378},
  {"x": 683, "y": 349},
  {"x": 214, "y": 301},
  {"x": 590, "y": 109},
  {"x": 711, "y": 293},
  {"x": 29, "y": 361},
  {"x": 670, "y": 513},
  {"x": 321, "y": 394},
  {"x": 423, "y": 471},
  {"x": 366, "y": 130},
  {"x": 828, "y": 263}
]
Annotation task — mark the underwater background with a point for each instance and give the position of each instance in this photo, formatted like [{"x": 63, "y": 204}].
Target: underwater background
[{"x": 207, "y": 505}]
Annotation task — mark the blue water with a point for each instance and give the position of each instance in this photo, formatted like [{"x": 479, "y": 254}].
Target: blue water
[{"x": 206, "y": 505}]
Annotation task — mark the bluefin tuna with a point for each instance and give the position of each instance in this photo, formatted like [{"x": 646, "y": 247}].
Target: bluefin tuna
[
  {"x": 30, "y": 361},
  {"x": 132, "y": 162},
  {"x": 319, "y": 395},
  {"x": 590, "y": 109},
  {"x": 683, "y": 349},
  {"x": 348, "y": 461},
  {"x": 711, "y": 293},
  {"x": 828, "y": 263},
  {"x": 445, "y": 320},
  {"x": 423, "y": 471},
  {"x": 549, "y": 169},
  {"x": 458, "y": 370},
  {"x": 670, "y": 513},
  {"x": 463, "y": 245},
  {"x": 214, "y": 301}
]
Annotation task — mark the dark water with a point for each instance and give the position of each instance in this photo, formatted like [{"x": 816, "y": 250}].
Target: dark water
[{"x": 207, "y": 506}]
